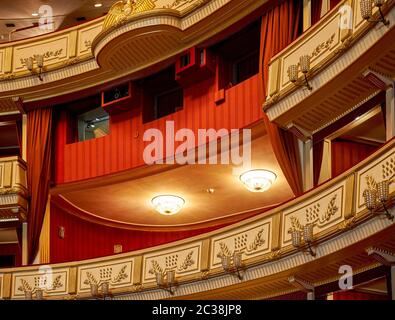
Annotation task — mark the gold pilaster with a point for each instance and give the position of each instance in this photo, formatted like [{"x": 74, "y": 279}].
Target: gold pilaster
[{"x": 137, "y": 270}]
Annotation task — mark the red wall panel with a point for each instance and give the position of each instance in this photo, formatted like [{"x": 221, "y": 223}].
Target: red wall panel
[
  {"x": 346, "y": 154},
  {"x": 85, "y": 240},
  {"x": 123, "y": 148}
]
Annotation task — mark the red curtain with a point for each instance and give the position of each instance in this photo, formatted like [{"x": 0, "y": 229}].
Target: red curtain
[
  {"x": 316, "y": 6},
  {"x": 279, "y": 29},
  {"x": 19, "y": 135},
  {"x": 39, "y": 124},
  {"x": 85, "y": 240},
  {"x": 346, "y": 154}
]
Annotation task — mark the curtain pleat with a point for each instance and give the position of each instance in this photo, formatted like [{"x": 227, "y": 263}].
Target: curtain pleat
[
  {"x": 334, "y": 3},
  {"x": 316, "y": 6},
  {"x": 279, "y": 28},
  {"x": 346, "y": 154},
  {"x": 39, "y": 125}
]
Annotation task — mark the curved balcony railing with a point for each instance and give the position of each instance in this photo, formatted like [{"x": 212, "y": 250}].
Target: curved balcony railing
[{"x": 336, "y": 209}]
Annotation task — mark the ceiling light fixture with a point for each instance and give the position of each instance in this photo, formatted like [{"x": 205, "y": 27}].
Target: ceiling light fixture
[
  {"x": 258, "y": 180},
  {"x": 168, "y": 204},
  {"x": 98, "y": 5}
]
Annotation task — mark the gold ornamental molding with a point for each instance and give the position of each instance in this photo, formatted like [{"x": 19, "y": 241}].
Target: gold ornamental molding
[{"x": 336, "y": 209}]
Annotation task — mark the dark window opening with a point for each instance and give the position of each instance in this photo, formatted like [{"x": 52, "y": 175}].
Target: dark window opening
[
  {"x": 7, "y": 261},
  {"x": 185, "y": 60},
  {"x": 10, "y": 135},
  {"x": 168, "y": 102},
  {"x": 162, "y": 95},
  {"x": 246, "y": 67},
  {"x": 238, "y": 56}
]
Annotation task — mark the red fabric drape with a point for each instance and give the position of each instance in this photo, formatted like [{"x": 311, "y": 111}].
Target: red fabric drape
[
  {"x": 39, "y": 124},
  {"x": 334, "y": 3},
  {"x": 318, "y": 150},
  {"x": 19, "y": 135},
  {"x": 279, "y": 29},
  {"x": 346, "y": 154},
  {"x": 316, "y": 6}
]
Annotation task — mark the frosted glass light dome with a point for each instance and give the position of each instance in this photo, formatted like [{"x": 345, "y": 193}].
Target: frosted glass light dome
[{"x": 168, "y": 204}]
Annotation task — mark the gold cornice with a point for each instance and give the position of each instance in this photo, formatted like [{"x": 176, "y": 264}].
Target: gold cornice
[{"x": 155, "y": 13}]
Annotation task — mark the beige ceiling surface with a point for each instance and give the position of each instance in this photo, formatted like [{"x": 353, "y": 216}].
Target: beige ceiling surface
[
  {"x": 8, "y": 236},
  {"x": 129, "y": 202}
]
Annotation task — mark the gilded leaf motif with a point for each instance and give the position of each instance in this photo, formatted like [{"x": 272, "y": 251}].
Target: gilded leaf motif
[
  {"x": 224, "y": 250},
  {"x": 121, "y": 275},
  {"x": 371, "y": 183},
  {"x": 330, "y": 211},
  {"x": 258, "y": 241},
  {"x": 187, "y": 262},
  {"x": 155, "y": 268},
  {"x": 90, "y": 279},
  {"x": 24, "y": 286}
]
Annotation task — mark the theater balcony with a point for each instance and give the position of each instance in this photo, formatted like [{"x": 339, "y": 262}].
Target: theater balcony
[{"x": 350, "y": 61}]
